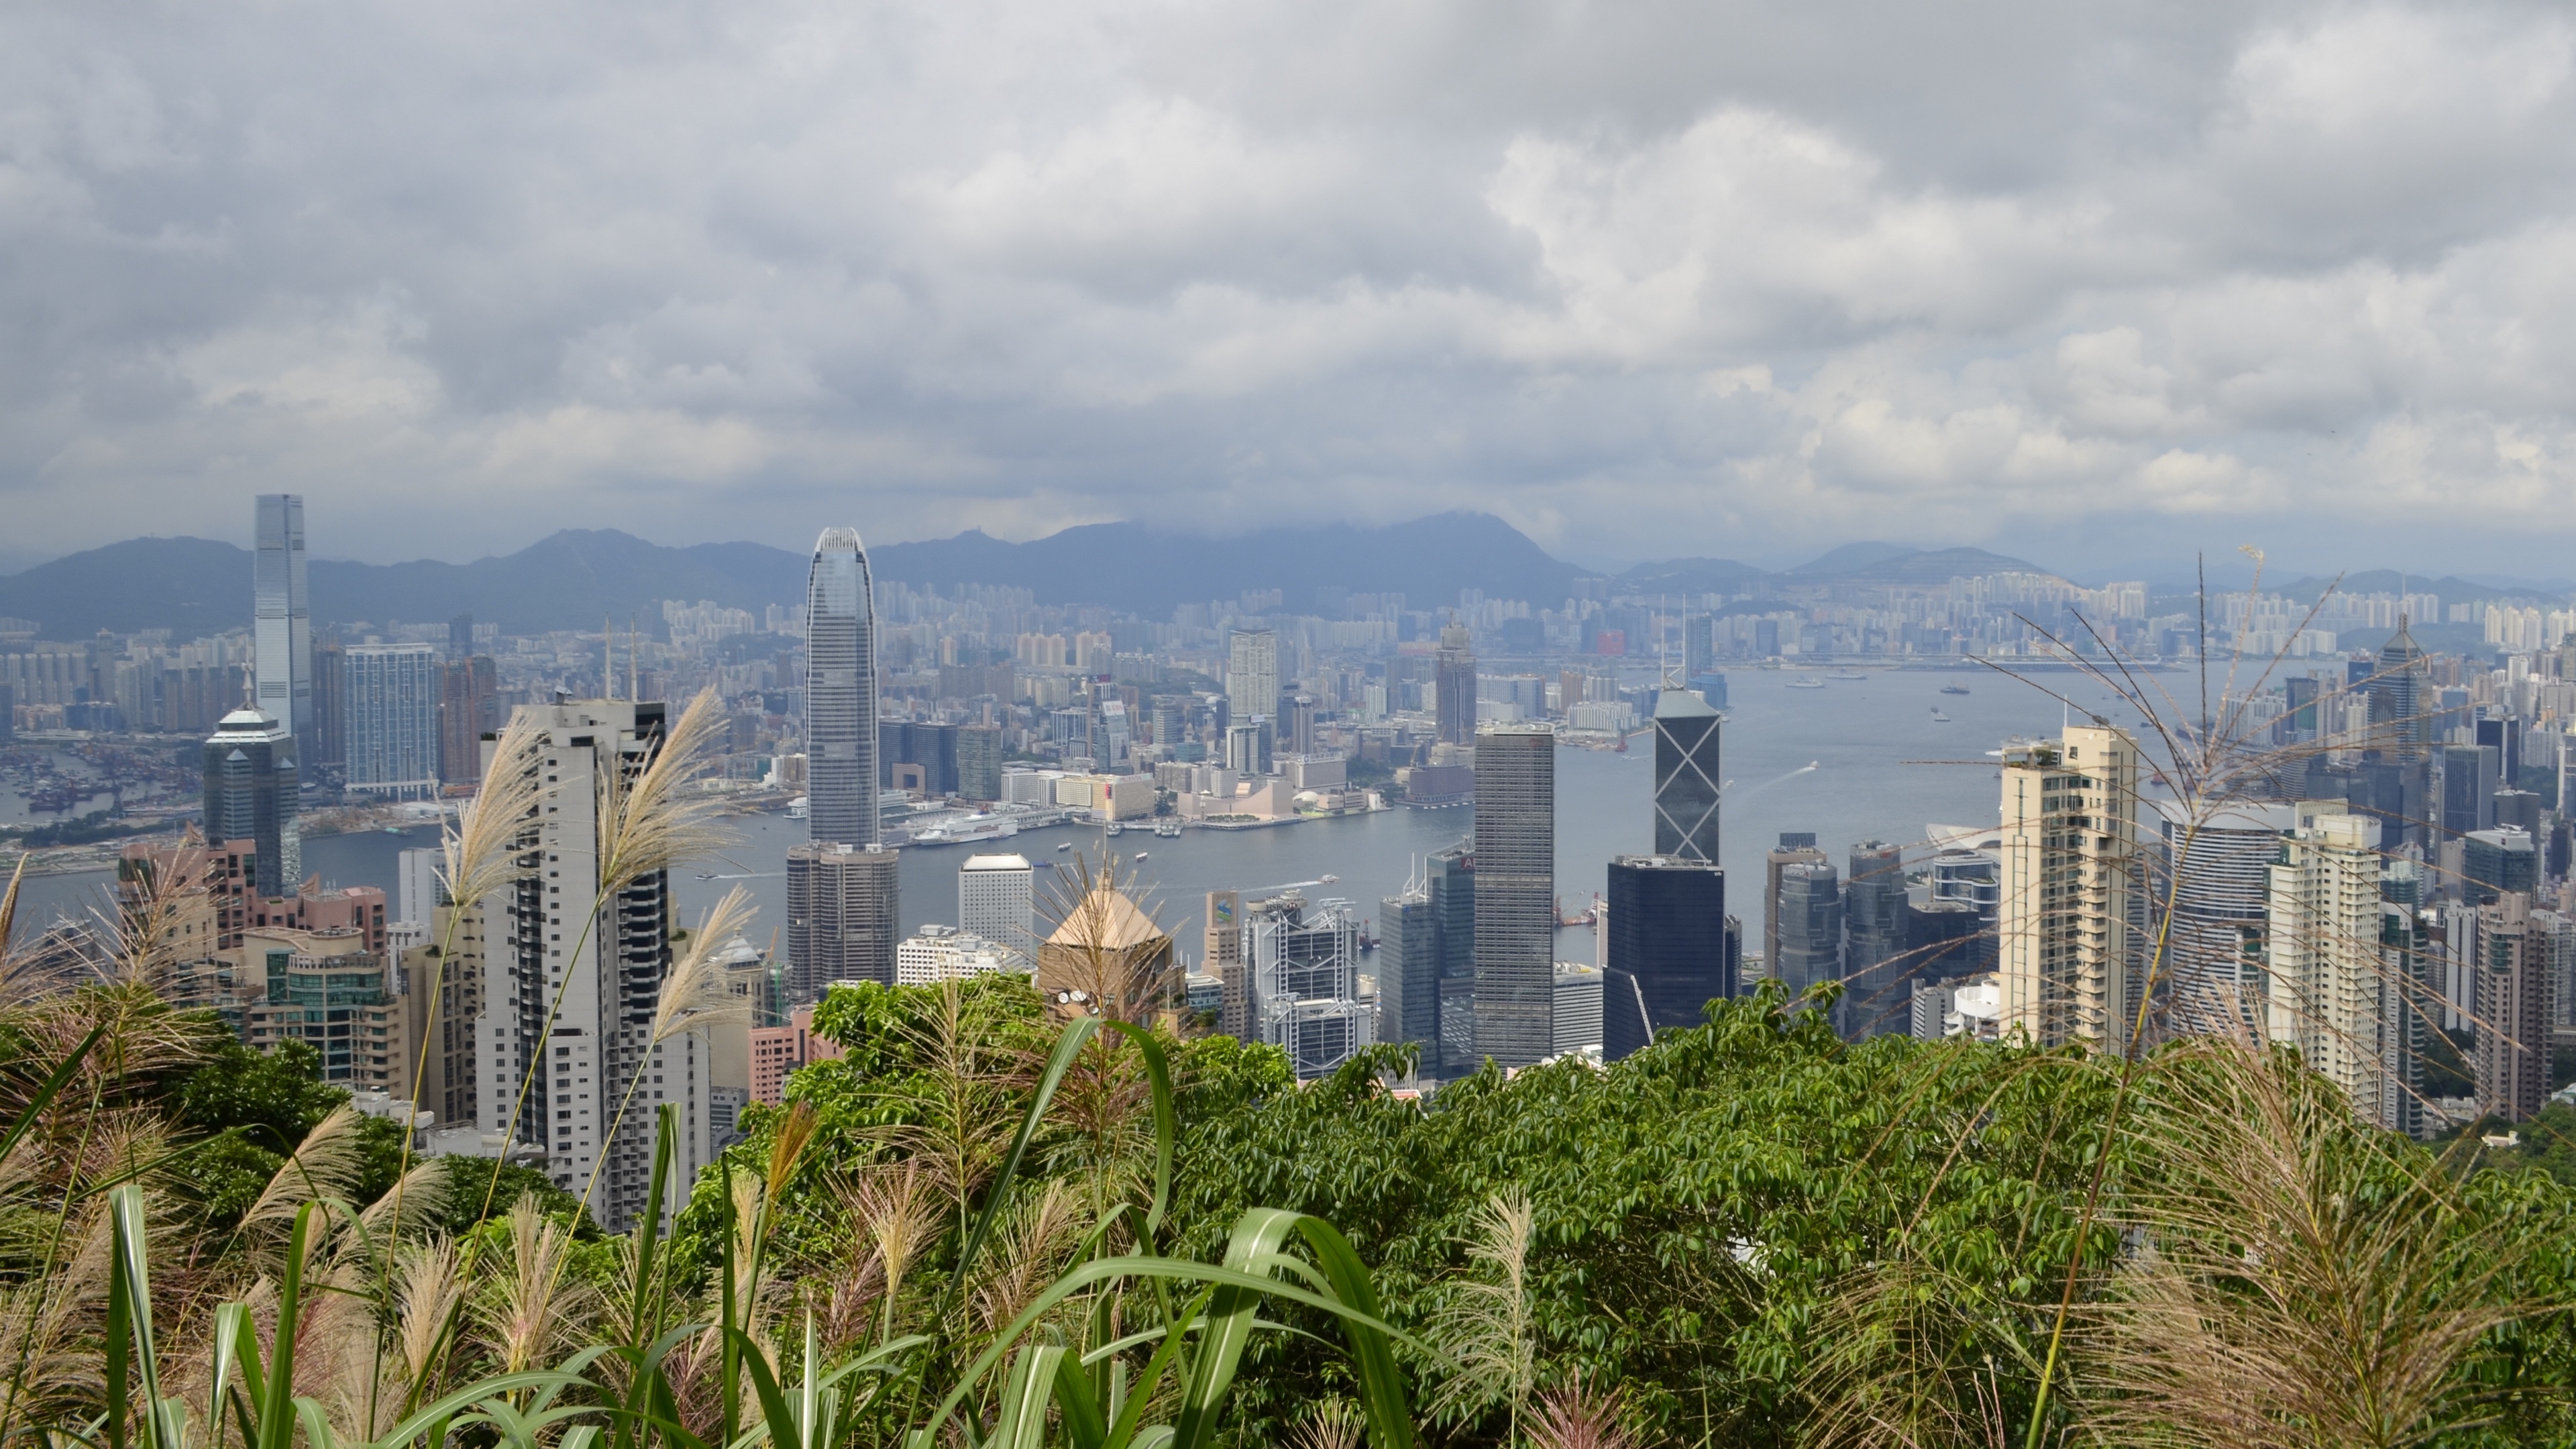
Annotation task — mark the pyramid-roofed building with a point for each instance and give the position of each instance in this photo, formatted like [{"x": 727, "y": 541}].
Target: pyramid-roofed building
[{"x": 1108, "y": 958}]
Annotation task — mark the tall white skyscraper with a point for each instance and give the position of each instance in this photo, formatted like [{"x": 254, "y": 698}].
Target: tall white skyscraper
[
  {"x": 608, "y": 972},
  {"x": 282, "y": 622},
  {"x": 840, "y": 693},
  {"x": 2067, "y": 947},
  {"x": 1252, "y": 675},
  {"x": 2333, "y": 991},
  {"x": 997, "y": 900},
  {"x": 389, "y": 720}
]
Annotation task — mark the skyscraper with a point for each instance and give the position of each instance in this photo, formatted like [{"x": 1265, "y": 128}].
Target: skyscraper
[
  {"x": 1672, "y": 948},
  {"x": 2067, "y": 948},
  {"x": 250, "y": 794},
  {"x": 1252, "y": 674},
  {"x": 1808, "y": 917},
  {"x": 282, "y": 623},
  {"x": 1686, "y": 776},
  {"x": 2513, "y": 1005},
  {"x": 1449, "y": 878},
  {"x": 1515, "y": 892},
  {"x": 1454, "y": 685},
  {"x": 1797, "y": 847},
  {"x": 2401, "y": 727},
  {"x": 844, "y": 914},
  {"x": 2215, "y": 868},
  {"x": 2332, "y": 993},
  {"x": 389, "y": 720},
  {"x": 1878, "y": 973},
  {"x": 1408, "y": 971},
  {"x": 568, "y": 998},
  {"x": 841, "y": 698},
  {"x": 997, "y": 900},
  {"x": 468, "y": 709}
]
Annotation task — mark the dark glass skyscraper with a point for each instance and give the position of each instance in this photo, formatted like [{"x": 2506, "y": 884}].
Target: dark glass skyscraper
[
  {"x": 1686, "y": 777},
  {"x": 1878, "y": 975},
  {"x": 1408, "y": 972},
  {"x": 1670, "y": 951},
  {"x": 1807, "y": 915},
  {"x": 1449, "y": 879},
  {"x": 2399, "y": 724},
  {"x": 1454, "y": 681},
  {"x": 250, "y": 795},
  {"x": 1515, "y": 893},
  {"x": 840, "y": 693},
  {"x": 844, "y": 914}
]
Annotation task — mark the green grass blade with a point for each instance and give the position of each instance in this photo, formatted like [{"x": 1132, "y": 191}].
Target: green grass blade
[
  {"x": 52, "y": 1087},
  {"x": 277, "y": 1411},
  {"x": 1382, "y": 1396},
  {"x": 1167, "y": 1118},
  {"x": 1076, "y": 1032},
  {"x": 1257, "y": 1235},
  {"x": 1077, "y": 1405},
  {"x": 1023, "y": 1418},
  {"x": 774, "y": 1412}
]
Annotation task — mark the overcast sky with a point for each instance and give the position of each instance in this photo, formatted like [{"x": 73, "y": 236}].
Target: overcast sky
[{"x": 2092, "y": 283}]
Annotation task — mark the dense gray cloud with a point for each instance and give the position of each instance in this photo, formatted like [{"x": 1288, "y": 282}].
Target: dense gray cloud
[{"x": 2084, "y": 282}]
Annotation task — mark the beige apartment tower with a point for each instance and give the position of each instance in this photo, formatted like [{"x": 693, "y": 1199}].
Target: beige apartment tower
[
  {"x": 2069, "y": 955},
  {"x": 2331, "y": 995}
]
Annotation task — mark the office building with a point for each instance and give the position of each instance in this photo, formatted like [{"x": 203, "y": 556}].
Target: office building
[
  {"x": 979, "y": 763},
  {"x": 389, "y": 720},
  {"x": 460, "y": 638},
  {"x": 1670, "y": 948},
  {"x": 930, "y": 747},
  {"x": 1449, "y": 878},
  {"x": 1252, "y": 673},
  {"x": 1807, "y": 917},
  {"x": 1221, "y": 956},
  {"x": 468, "y": 709},
  {"x": 945, "y": 953},
  {"x": 997, "y": 900},
  {"x": 2330, "y": 990},
  {"x": 1878, "y": 969},
  {"x": 2215, "y": 868},
  {"x": 2514, "y": 1010},
  {"x": 1686, "y": 776},
  {"x": 841, "y": 700},
  {"x": 250, "y": 794},
  {"x": 1408, "y": 971},
  {"x": 1575, "y": 1010},
  {"x": 282, "y": 622},
  {"x": 326, "y": 754},
  {"x": 2495, "y": 863},
  {"x": 1300, "y": 967},
  {"x": 844, "y": 906},
  {"x": 2068, "y": 957},
  {"x": 1797, "y": 847},
  {"x": 2400, "y": 707},
  {"x": 1454, "y": 687},
  {"x": 1515, "y": 891},
  {"x": 2465, "y": 789},
  {"x": 570, "y": 992}
]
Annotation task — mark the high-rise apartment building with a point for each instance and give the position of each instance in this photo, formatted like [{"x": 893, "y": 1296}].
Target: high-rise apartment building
[
  {"x": 389, "y": 720},
  {"x": 1686, "y": 776},
  {"x": 282, "y": 620},
  {"x": 2514, "y": 1009},
  {"x": 2067, "y": 945},
  {"x": 2214, "y": 865},
  {"x": 841, "y": 700},
  {"x": 1454, "y": 687},
  {"x": 1797, "y": 847},
  {"x": 1252, "y": 674},
  {"x": 250, "y": 794},
  {"x": 1672, "y": 948},
  {"x": 573, "y": 972},
  {"x": 844, "y": 913},
  {"x": 2333, "y": 991},
  {"x": 997, "y": 900},
  {"x": 1878, "y": 971},
  {"x": 468, "y": 709},
  {"x": 1515, "y": 892}
]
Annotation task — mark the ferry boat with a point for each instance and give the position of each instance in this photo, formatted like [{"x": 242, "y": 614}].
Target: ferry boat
[
  {"x": 1849, "y": 676},
  {"x": 1168, "y": 828},
  {"x": 796, "y": 808},
  {"x": 1067, "y": 845},
  {"x": 1806, "y": 684},
  {"x": 1139, "y": 856},
  {"x": 1113, "y": 828},
  {"x": 1938, "y": 717},
  {"x": 1952, "y": 689}
]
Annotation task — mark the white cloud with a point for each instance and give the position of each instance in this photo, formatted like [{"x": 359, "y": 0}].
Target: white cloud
[{"x": 1663, "y": 280}]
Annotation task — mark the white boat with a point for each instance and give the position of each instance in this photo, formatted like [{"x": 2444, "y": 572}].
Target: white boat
[
  {"x": 1169, "y": 827},
  {"x": 1113, "y": 828},
  {"x": 1849, "y": 676},
  {"x": 968, "y": 831},
  {"x": 1806, "y": 684},
  {"x": 1068, "y": 845},
  {"x": 1938, "y": 717},
  {"x": 796, "y": 808},
  {"x": 1139, "y": 856}
]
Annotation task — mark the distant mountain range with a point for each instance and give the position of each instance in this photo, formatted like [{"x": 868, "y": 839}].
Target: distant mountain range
[{"x": 574, "y": 579}]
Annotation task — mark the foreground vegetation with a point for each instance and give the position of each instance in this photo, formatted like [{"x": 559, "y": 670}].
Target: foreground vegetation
[{"x": 978, "y": 1227}]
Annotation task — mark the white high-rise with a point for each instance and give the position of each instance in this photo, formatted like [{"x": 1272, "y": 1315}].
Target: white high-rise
[
  {"x": 1252, "y": 675},
  {"x": 997, "y": 900},
  {"x": 840, "y": 693},
  {"x": 2333, "y": 994},
  {"x": 282, "y": 620},
  {"x": 389, "y": 720},
  {"x": 2067, "y": 947},
  {"x": 575, "y": 993}
]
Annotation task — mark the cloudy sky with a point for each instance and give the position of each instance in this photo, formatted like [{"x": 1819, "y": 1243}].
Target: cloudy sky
[{"x": 2096, "y": 283}]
